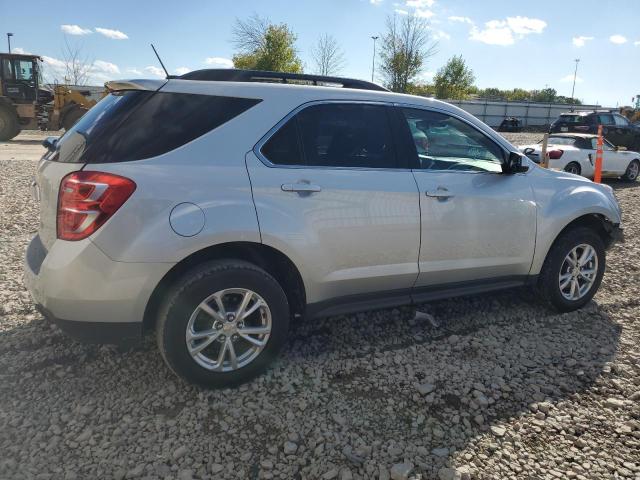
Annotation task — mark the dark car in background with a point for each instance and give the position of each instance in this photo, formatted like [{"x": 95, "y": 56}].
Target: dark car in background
[{"x": 616, "y": 128}]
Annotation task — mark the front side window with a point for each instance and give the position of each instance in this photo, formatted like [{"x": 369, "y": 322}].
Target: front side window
[
  {"x": 621, "y": 121},
  {"x": 443, "y": 142},
  {"x": 605, "y": 119},
  {"x": 24, "y": 70},
  {"x": 334, "y": 135}
]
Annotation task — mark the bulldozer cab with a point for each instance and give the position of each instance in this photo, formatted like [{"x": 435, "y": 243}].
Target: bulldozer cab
[{"x": 19, "y": 77}]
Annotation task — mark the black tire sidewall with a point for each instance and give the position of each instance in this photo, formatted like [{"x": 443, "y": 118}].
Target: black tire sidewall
[
  {"x": 548, "y": 281},
  {"x": 12, "y": 127},
  {"x": 193, "y": 290},
  {"x": 626, "y": 174},
  {"x": 576, "y": 164}
]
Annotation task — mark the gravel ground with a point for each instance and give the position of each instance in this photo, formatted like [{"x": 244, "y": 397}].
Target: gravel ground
[{"x": 491, "y": 386}]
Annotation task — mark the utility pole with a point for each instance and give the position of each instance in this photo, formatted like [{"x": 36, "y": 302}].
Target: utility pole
[
  {"x": 373, "y": 62},
  {"x": 9, "y": 35},
  {"x": 575, "y": 74}
]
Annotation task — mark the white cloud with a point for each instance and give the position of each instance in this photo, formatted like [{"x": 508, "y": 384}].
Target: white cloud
[
  {"x": 569, "y": 78},
  {"x": 526, "y": 25},
  {"x": 158, "y": 72},
  {"x": 501, "y": 32},
  {"x": 182, "y": 70},
  {"x": 375, "y": 2},
  {"x": 581, "y": 40},
  {"x": 113, "y": 34},
  {"x": 135, "y": 71},
  {"x": 636, "y": 43},
  {"x": 440, "y": 35},
  {"x": 492, "y": 35},
  {"x": 460, "y": 19},
  {"x": 420, "y": 3},
  {"x": 53, "y": 62},
  {"x": 399, "y": 11},
  {"x": 617, "y": 39},
  {"x": 108, "y": 68},
  {"x": 20, "y": 51},
  {"x": 75, "y": 30},
  {"x": 219, "y": 62},
  {"x": 422, "y": 13}
]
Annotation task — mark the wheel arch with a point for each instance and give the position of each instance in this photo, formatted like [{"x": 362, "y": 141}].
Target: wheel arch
[{"x": 268, "y": 258}]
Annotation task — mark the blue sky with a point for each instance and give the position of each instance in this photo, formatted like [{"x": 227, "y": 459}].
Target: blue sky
[{"x": 527, "y": 44}]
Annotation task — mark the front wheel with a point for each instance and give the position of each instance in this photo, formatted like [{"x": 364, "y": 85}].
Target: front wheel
[
  {"x": 223, "y": 323},
  {"x": 632, "y": 171},
  {"x": 573, "y": 269},
  {"x": 573, "y": 167},
  {"x": 9, "y": 125}
]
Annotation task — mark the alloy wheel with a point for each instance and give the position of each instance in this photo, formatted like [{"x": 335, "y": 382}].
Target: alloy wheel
[{"x": 578, "y": 272}]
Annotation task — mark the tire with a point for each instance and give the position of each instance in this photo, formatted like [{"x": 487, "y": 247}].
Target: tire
[
  {"x": 181, "y": 311},
  {"x": 549, "y": 286},
  {"x": 573, "y": 167},
  {"x": 71, "y": 117},
  {"x": 9, "y": 126},
  {"x": 631, "y": 175}
]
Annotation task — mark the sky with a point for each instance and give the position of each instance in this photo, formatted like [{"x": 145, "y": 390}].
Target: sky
[{"x": 525, "y": 43}]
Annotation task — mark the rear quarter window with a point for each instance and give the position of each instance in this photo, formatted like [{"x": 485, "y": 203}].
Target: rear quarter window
[{"x": 135, "y": 125}]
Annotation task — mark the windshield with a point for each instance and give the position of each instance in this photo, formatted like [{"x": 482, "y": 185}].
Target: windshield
[{"x": 562, "y": 141}]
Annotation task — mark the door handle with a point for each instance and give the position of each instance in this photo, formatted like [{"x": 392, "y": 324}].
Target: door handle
[
  {"x": 301, "y": 187},
  {"x": 439, "y": 193}
]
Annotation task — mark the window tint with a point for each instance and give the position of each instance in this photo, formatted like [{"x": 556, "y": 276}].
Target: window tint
[
  {"x": 283, "y": 147},
  {"x": 443, "y": 142},
  {"x": 621, "y": 121},
  {"x": 605, "y": 119},
  {"x": 135, "y": 125},
  {"x": 571, "y": 118}
]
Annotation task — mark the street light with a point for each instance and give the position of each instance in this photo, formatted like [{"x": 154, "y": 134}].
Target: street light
[
  {"x": 373, "y": 62},
  {"x": 9, "y": 35},
  {"x": 575, "y": 73}
]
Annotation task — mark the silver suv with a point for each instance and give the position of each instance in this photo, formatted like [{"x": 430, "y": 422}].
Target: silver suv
[{"x": 218, "y": 206}]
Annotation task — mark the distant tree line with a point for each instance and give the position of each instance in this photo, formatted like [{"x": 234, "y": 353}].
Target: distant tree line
[{"x": 406, "y": 46}]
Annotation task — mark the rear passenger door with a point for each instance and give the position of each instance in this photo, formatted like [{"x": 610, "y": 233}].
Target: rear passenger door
[{"x": 331, "y": 194}]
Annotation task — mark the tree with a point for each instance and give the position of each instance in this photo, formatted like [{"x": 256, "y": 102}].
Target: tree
[
  {"x": 406, "y": 46},
  {"x": 75, "y": 65},
  {"x": 454, "y": 79},
  {"x": 328, "y": 56},
  {"x": 265, "y": 46}
]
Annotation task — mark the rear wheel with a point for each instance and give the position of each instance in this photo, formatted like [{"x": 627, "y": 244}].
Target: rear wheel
[
  {"x": 223, "y": 323},
  {"x": 573, "y": 269},
  {"x": 632, "y": 171},
  {"x": 573, "y": 167},
  {"x": 9, "y": 126}
]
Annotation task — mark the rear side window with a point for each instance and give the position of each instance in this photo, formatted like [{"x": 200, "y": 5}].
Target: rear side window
[
  {"x": 134, "y": 125},
  {"x": 605, "y": 119},
  {"x": 335, "y": 135}
]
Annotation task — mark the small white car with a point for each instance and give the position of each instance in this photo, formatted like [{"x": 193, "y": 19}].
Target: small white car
[{"x": 576, "y": 153}]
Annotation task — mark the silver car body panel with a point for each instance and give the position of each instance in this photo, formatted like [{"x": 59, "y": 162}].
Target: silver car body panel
[{"x": 361, "y": 233}]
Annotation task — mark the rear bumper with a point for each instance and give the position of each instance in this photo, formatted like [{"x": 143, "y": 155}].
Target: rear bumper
[{"x": 86, "y": 293}]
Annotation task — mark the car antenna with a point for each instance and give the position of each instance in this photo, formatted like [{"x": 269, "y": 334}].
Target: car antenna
[{"x": 160, "y": 60}]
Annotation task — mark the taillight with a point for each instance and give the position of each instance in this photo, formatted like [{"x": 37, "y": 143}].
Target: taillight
[
  {"x": 555, "y": 154},
  {"x": 88, "y": 199}
]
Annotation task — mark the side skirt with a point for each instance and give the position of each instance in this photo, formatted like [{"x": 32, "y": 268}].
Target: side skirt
[{"x": 394, "y": 298}]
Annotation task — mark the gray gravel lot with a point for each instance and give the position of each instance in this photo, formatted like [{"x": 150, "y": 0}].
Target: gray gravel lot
[{"x": 491, "y": 386}]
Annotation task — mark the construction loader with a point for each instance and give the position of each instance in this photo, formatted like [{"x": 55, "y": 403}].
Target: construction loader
[{"x": 27, "y": 104}]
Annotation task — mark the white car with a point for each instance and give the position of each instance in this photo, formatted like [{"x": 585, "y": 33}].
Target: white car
[{"x": 576, "y": 153}]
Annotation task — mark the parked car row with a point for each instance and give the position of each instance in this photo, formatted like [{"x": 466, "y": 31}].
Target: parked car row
[{"x": 576, "y": 153}]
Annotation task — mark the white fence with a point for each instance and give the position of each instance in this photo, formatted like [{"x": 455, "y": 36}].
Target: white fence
[{"x": 531, "y": 114}]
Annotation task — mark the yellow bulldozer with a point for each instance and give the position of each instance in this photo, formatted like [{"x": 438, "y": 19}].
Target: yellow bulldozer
[{"x": 27, "y": 104}]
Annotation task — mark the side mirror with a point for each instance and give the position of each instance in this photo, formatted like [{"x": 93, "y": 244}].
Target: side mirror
[
  {"x": 50, "y": 143},
  {"x": 515, "y": 164}
]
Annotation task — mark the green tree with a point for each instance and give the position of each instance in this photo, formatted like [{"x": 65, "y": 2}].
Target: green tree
[
  {"x": 454, "y": 79},
  {"x": 265, "y": 46},
  {"x": 406, "y": 46}
]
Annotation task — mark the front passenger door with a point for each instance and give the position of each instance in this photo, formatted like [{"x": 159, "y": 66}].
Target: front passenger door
[{"x": 477, "y": 222}]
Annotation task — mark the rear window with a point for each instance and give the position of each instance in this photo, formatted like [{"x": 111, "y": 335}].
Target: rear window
[
  {"x": 572, "y": 118},
  {"x": 137, "y": 124}
]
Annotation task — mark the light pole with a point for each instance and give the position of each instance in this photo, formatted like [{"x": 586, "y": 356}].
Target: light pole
[
  {"x": 9, "y": 35},
  {"x": 575, "y": 74},
  {"x": 373, "y": 62}
]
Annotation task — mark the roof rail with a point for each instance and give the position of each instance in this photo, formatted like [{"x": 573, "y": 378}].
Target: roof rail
[{"x": 236, "y": 75}]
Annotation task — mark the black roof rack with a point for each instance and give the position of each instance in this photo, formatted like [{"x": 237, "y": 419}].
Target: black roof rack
[{"x": 235, "y": 75}]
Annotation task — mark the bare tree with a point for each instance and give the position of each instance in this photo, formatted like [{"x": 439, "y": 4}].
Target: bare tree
[
  {"x": 249, "y": 35},
  {"x": 77, "y": 65},
  {"x": 406, "y": 46},
  {"x": 328, "y": 56}
]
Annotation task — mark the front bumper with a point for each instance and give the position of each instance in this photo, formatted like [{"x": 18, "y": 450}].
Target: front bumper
[{"x": 86, "y": 293}]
